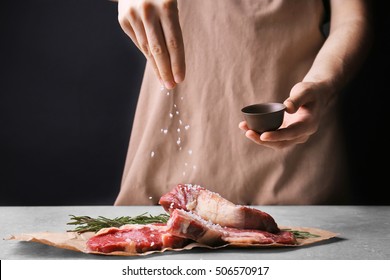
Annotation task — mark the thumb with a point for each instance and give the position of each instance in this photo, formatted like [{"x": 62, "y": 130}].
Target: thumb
[{"x": 299, "y": 96}]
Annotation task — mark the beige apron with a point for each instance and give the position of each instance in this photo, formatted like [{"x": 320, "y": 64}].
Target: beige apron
[{"x": 237, "y": 53}]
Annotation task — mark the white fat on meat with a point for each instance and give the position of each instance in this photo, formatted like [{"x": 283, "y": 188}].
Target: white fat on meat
[{"x": 213, "y": 207}]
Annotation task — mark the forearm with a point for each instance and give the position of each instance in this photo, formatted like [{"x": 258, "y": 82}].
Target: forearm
[{"x": 345, "y": 48}]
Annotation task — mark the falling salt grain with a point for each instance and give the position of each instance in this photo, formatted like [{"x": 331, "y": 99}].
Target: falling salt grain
[
  {"x": 184, "y": 173},
  {"x": 181, "y": 98},
  {"x": 168, "y": 93},
  {"x": 178, "y": 130},
  {"x": 187, "y": 127},
  {"x": 152, "y": 154},
  {"x": 177, "y": 112},
  {"x": 178, "y": 141},
  {"x": 174, "y": 105},
  {"x": 165, "y": 131},
  {"x": 150, "y": 197},
  {"x": 171, "y": 115},
  {"x": 190, "y": 152},
  {"x": 180, "y": 122}
]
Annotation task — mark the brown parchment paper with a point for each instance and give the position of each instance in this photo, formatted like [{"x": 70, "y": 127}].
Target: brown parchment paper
[{"x": 77, "y": 242}]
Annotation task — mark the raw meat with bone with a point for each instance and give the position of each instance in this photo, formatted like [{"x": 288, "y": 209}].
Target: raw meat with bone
[
  {"x": 134, "y": 239},
  {"x": 212, "y": 207},
  {"x": 189, "y": 225}
]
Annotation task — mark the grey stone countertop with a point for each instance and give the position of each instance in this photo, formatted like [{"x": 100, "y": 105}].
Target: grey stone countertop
[{"x": 364, "y": 233}]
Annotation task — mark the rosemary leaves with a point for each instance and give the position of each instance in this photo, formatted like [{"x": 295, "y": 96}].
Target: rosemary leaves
[
  {"x": 302, "y": 234},
  {"x": 86, "y": 223}
]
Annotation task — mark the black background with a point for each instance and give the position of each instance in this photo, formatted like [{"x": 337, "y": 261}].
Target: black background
[{"x": 69, "y": 85}]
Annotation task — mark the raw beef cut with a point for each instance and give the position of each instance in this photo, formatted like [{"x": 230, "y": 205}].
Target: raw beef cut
[
  {"x": 189, "y": 225},
  {"x": 212, "y": 207},
  {"x": 134, "y": 239}
]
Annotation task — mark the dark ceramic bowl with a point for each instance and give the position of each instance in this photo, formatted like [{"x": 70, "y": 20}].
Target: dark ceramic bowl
[{"x": 264, "y": 116}]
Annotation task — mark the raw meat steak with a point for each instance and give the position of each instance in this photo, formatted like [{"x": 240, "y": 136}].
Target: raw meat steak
[
  {"x": 189, "y": 225},
  {"x": 212, "y": 207},
  {"x": 134, "y": 239}
]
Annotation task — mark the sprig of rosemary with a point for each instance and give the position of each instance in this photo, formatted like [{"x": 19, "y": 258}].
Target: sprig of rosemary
[
  {"x": 301, "y": 234},
  {"x": 86, "y": 223}
]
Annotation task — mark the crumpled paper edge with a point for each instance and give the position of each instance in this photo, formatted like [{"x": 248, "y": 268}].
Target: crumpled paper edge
[{"x": 77, "y": 242}]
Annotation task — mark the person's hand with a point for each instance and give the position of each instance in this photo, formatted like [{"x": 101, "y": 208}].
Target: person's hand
[
  {"x": 304, "y": 109},
  {"x": 153, "y": 26}
]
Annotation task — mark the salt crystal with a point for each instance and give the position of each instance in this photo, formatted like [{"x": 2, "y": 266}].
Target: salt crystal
[
  {"x": 151, "y": 244},
  {"x": 179, "y": 148},
  {"x": 182, "y": 98},
  {"x": 162, "y": 88},
  {"x": 177, "y": 112},
  {"x": 178, "y": 130},
  {"x": 171, "y": 115},
  {"x": 185, "y": 164},
  {"x": 187, "y": 127},
  {"x": 152, "y": 235},
  {"x": 165, "y": 131},
  {"x": 171, "y": 205},
  {"x": 162, "y": 130},
  {"x": 152, "y": 154},
  {"x": 184, "y": 173},
  {"x": 174, "y": 105},
  {"x": 178, "y": 141},
  {"x": 180, "y": 122},
  {"x": 150, "y": 197},
  {"x": 190, "y": 152},
  {"x": 167, "y": 92}
]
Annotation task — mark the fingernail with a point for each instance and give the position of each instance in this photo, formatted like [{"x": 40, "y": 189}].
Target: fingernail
[
  {"x": 178, "y": 78},
  {"x": 169, "y": 84}
]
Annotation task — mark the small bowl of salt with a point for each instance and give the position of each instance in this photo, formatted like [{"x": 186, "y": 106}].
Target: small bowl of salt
[{"x": 263, "y": 117}]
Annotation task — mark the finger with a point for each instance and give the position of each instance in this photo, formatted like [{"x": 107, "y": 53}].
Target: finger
[
  {"x": 158, "y": 49},
  {"x": 174, "y": 40},
  {"x": 142, "y": 41},
  {"x": 126, "y": 27},
  {"x": 243, "y": 126},
  {"x": 285, "y": 144},
  {"x": 255, "y": 137},
  {"x": 294, "y": 131}
]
